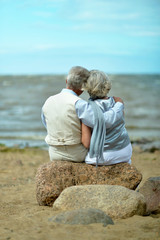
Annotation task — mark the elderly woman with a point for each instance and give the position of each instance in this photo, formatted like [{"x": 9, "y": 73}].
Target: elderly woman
[{"x": 107, "y": 144}]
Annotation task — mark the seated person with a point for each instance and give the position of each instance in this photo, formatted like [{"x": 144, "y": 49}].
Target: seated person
[
  {"x": 108, "y": 144},
  {"x": 63, "y": 113}
]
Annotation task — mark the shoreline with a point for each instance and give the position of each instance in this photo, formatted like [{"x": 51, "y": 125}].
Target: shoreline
[
  {"x": 146, "y": 144},
  {"x": 22, "y": 217}
]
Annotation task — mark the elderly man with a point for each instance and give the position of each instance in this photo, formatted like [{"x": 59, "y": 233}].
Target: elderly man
[{"x": 62, "y": 115}]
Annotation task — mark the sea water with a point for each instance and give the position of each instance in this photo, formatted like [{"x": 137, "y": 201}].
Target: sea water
[{"x": 22, "y": 97}]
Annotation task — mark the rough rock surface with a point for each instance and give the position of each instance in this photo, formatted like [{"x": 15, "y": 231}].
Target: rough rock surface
[
  {"x": 115, "y": 201},
  {"x": 52, "y": 178},
  {"x": 82, "y": 216},
  {"x": 151, "y": 192}
]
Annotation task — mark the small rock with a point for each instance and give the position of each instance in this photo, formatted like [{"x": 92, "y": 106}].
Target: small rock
[
  {"x": 115, "y": 201},
  {"x": 151, "y": 192},
  {"x": 82, "y": 216},
  {"x": 151, "y": 147},
  {"x": 19, "y": 162}
]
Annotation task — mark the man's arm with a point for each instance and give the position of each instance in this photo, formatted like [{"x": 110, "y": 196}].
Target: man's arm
[
  {"x": 43, "y": 119},
  {"x": 86, "y": 115}
]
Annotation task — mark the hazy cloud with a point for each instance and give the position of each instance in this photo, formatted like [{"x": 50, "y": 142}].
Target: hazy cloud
[
  {"x": 93, "y": 29},
  {"x": 43, "y": 14},
  {"x": 146, "y": 33}
]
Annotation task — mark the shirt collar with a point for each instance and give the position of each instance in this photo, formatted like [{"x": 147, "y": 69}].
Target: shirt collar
[{"x": 69, "y": 91}]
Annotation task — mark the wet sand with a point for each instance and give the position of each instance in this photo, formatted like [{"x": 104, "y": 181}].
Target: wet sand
[{"x": 22, "y": 218}]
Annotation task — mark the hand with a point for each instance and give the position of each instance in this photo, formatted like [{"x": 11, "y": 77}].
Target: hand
[{"x": 118, "y": 99}]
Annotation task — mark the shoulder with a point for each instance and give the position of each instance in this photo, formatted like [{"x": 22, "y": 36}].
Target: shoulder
[
  {"x": 51, "y": 98},
  {"x": 82, "y": 107},
  {"x": 81, "y": 104},
  {"x": 84, "y": 112},
  {"x": 105, "y": 104},
  {"x": 69, "y": 96}
]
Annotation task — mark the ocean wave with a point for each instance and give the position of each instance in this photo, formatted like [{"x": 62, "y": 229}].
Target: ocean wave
[
  {"x": 22, "y": 97},
  {"x": 143, "y": 127},
  {"x": 23, "y": 137}
]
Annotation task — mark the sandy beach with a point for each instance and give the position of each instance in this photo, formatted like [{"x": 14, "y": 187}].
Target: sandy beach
[{"x": 23, "y": 219}]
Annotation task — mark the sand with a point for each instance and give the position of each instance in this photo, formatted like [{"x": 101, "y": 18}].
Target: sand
[{"x": 21, "y": 218}]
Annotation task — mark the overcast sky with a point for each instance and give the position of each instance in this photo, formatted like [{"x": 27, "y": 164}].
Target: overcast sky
[{"x": 51, "y": 36}]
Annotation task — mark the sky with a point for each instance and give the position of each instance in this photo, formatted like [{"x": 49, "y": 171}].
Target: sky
[{"x": 51, "y": 36}]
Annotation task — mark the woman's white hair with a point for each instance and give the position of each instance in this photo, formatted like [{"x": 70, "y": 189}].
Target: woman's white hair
[
  {"x": 98, "y": 84},
  {"x": 77, "y": 77}
]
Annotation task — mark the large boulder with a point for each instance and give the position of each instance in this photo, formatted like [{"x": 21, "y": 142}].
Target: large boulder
[
  {"x": 52, "y": 178},
  {"x": 151, "y": 192},
  {"x": 115, "y": 201},
  {"x": 82, "y": 216}
]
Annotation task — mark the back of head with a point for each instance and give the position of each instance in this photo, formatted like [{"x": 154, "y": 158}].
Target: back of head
[
  {"x": 98, "y": 84},
  {"x": 77, "y": 77}
]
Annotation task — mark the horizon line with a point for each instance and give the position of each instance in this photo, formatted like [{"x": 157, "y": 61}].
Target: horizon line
[{"x": 109, "y": 73}]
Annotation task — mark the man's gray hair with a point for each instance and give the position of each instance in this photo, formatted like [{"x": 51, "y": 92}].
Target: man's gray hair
[
  {"x": 77, "y": 77},
  {"x": 98, "y": 84}
]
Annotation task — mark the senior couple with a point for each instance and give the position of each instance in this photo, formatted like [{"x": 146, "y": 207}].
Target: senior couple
[{"x": 92, "y": 131}]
